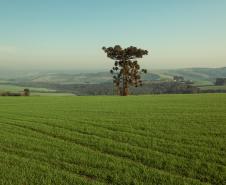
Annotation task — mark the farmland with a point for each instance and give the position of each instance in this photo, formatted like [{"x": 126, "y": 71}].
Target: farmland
[
  {"x": 213, "y": 87},
  {"x": 7, "y": 87},
  {"x": 34, "y": 90},
  {"x": 159, "y": 139}
]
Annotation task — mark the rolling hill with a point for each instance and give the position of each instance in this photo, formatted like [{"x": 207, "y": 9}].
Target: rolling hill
[
  {"x": 201, "y": 75},
  {"x": 100, "y": 83}
]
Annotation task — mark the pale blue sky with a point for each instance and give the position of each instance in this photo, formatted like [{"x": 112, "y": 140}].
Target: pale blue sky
[{"x": 69, "y": 34}]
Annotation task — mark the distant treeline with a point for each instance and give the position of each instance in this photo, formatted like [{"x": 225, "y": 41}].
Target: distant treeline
[
  {"x": 168, "y": 87},
  {"x": 108, "y": 88},
  {"x": 26, "y": 92},
  {"x": 213, "y": 91}
]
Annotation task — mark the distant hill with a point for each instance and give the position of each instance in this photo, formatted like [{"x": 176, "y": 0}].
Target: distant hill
[
  {"x": 205, "y": 76},
  {"x": 100, "y": 83}
]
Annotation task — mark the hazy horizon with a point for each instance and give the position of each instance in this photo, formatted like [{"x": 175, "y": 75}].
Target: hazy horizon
[{"x": 69, "y": 35}]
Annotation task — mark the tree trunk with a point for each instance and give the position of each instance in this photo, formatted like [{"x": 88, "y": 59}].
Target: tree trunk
[
  {"x": 118, "y": 90},
  {"x": 126, "y": 91},
  {"x": 125, "y": 88}
]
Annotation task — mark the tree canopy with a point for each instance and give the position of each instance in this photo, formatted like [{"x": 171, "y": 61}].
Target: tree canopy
[{"x": 126, "y": 71}]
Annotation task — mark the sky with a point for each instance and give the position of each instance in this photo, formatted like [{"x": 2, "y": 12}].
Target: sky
[{"x": 69, "y": 34}]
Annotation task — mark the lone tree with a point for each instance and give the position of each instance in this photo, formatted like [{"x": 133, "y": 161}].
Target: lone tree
[
  {"x": 26, "y": 92},
  {"x": 126, "y": 71}
]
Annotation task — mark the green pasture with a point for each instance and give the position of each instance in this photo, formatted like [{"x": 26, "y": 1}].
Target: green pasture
[
  {"x": 135, "y": 140},
  {"x": 16, "y": 88},
  {"x": 213, "y": 87}
]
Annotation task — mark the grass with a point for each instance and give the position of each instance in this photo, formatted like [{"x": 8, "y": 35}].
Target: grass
[
  {"x": 9, "y": 87},
  {"x": 203, "y": 83},
  {"x": 144, "y": 140},
  {"x": 51, "y": 94},
  {"x": 35, "y": 91},
  {"x": 213, "y": 87}
]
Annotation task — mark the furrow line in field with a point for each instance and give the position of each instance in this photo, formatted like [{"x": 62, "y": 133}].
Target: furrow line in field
[
  {"x": 54, "y": 138},
  {"x": 84, "y": 176},
  {"x": 59, "y": 118},
  {"x": 168, "y": 153},
  {"x": 157, "y": 176},
  {"x": 151, "y": 135},
  {"x": 105, "y": 152},
  {"x": 93, "y": 133},
  {"x": 38, "y": 150},
  {"x": 115, "y": 139}
]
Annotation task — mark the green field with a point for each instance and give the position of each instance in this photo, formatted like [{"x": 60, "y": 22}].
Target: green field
[
  {"x": 35, "y": 91},
  {"x": 16, "y": 88},
  {"x": 51, "y": 94},
  {"x": 213, "y": 87},
  {"x": 160, "y": 139}
]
